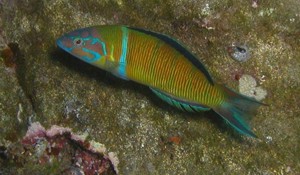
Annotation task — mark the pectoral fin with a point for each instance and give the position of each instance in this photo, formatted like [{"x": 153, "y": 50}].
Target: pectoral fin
[{"x": 117, "y": 69}]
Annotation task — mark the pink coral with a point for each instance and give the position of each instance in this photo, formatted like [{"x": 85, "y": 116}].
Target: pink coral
[{"x": 89, "y": 157}]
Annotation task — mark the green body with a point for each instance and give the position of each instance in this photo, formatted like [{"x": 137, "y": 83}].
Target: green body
[{"x": 154, "y": 62}]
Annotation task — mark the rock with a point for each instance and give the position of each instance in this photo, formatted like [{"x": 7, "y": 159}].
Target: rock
[{"x": 51, "y": 87}]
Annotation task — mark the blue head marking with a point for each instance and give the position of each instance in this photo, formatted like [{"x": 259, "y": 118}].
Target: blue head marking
[{"x": 83, "y": 44}]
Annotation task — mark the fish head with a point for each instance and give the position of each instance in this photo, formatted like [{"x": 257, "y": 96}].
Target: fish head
[{"x": 85, "y": 44}]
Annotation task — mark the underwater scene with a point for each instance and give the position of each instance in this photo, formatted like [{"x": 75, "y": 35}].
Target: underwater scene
[{"x": 179, "y": 87}]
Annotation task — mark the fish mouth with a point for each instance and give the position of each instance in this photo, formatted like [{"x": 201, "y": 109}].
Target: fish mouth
[{"x": 59, "y": 42}]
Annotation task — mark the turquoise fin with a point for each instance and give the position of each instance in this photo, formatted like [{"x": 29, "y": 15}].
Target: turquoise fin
[
  {"x": 120, "y": 76},
  {"x": 180, "y": 104},
  {"x": 236, "y": 110}
]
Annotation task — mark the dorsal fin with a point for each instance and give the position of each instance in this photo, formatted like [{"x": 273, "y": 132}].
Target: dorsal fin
[{"x": 180, "y": 48}]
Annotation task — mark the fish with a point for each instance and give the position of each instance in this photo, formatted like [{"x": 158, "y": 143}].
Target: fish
[{"x": 165, "y": 65}]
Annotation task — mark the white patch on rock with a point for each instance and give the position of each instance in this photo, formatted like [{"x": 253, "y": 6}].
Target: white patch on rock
[{"x": 248, "y": 87}]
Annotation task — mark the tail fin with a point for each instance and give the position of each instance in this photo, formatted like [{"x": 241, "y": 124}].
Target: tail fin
[{"x": 236, "y": 110}]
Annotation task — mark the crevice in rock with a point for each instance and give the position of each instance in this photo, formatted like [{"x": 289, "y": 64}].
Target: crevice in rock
[{"x": 18, "y": 60}]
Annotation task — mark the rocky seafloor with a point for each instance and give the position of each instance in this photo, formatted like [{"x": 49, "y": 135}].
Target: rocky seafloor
[{"x": 252, "y": 46}]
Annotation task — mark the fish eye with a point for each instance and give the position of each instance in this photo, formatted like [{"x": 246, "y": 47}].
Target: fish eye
[{"x": 78, "y": 42}]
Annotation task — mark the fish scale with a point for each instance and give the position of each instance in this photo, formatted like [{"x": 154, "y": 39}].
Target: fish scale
[{"x": 160, "y": 62}]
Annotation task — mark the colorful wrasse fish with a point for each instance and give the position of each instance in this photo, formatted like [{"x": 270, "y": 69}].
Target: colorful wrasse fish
[{"x": 171, "y": 71}]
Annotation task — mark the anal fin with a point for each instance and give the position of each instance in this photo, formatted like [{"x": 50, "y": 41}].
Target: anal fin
[{"x": 178, "y": 103}]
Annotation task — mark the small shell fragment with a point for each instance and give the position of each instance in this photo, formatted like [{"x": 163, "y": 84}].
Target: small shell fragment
[{"x": 239, "y": 52}]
